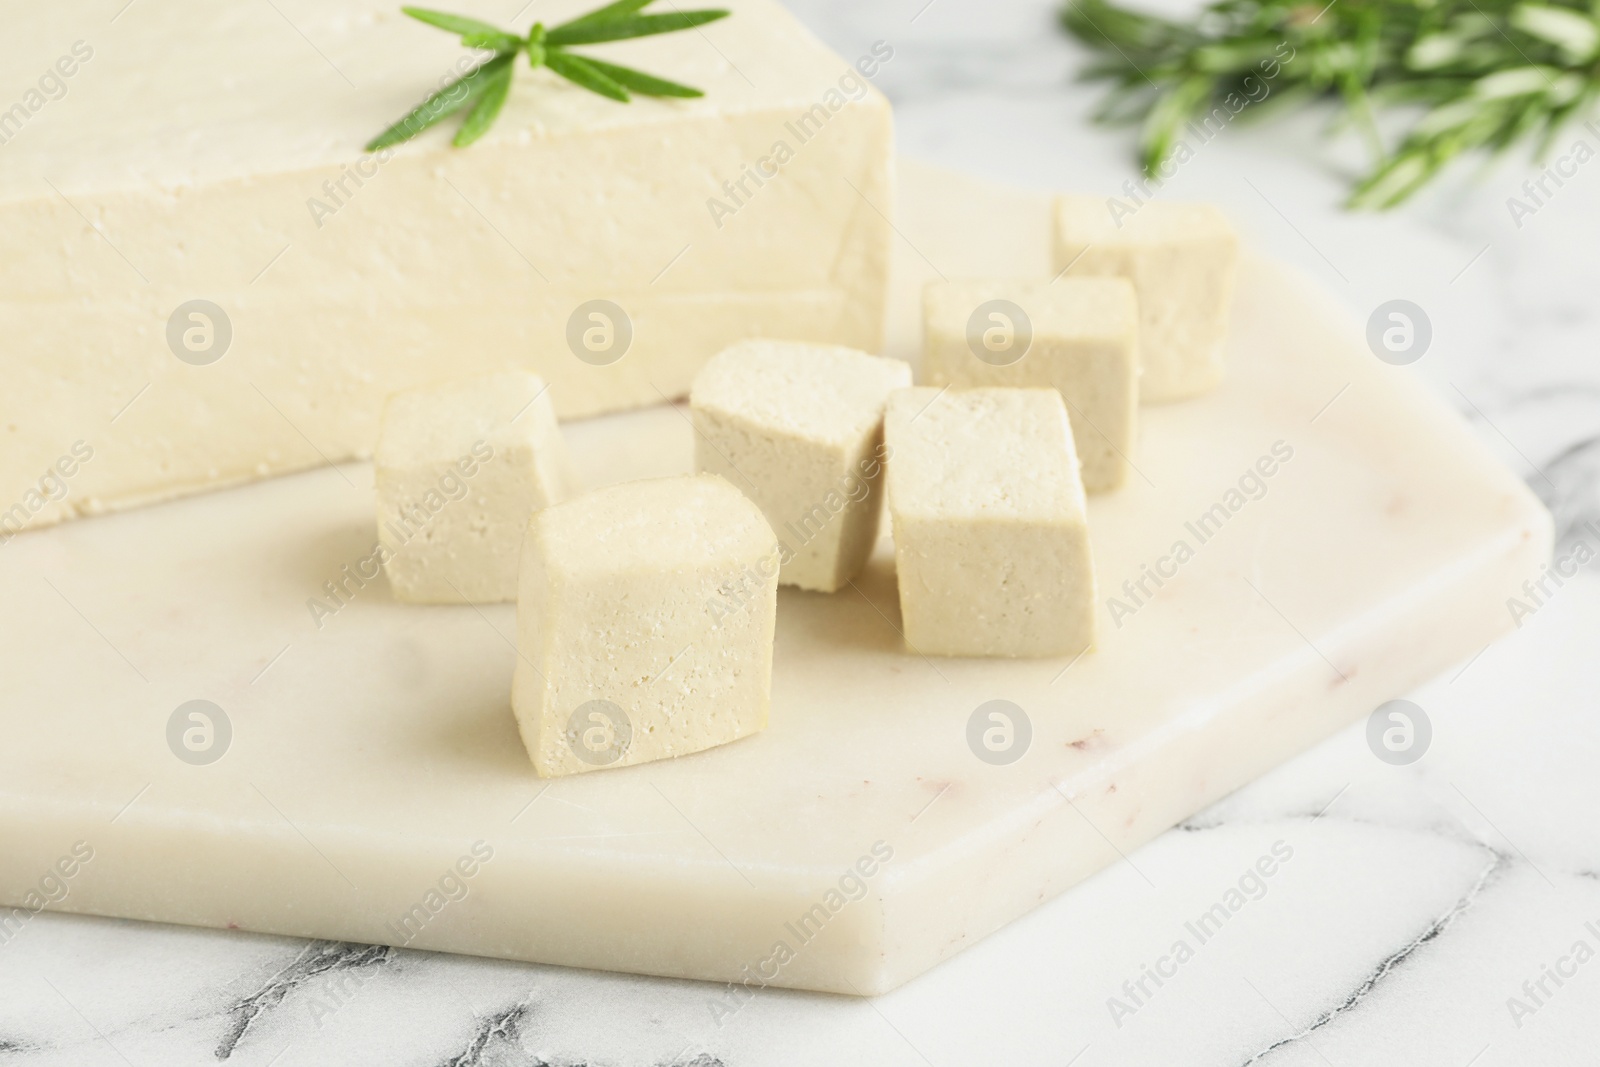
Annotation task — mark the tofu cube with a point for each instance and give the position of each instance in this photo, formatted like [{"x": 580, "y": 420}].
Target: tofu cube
[
  {"x": 644, "y": 624},
  {"x": 799, "y": 429},
  {"x": 991, "y": 535},
  {"x": 1182, "y": 259},
  {"x": 1075, "y": 335},
  {"x": 460, "y": 467}
]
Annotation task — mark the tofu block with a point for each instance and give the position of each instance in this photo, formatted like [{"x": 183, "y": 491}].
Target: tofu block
[
  {"x": 1182, "y": 259},
  {"x": 460, "y": 468},
  {"x": 205, "y": 279},
  {"x": 644, "y": 624},
  {"x": 991, "y": 534},
  {"x": 1075, "y": 335},
  {"x": 799, "y": 428}
]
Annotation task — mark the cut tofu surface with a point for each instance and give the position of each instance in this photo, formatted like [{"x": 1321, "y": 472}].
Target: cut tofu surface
[
  {"x": 1182, "y": 260},
  {"x": 991, "y": 534},
  {"x": 206, "y": 280},
  {"x": 660, "y": 523},
  {"x": 799, "y": 428},
  {"x": 303, "y": 84},
  {"x": 1076, "y": 335},
  {"x": 459, "y": 468},
  {"x": 645, "y": 623},
  {"x": 824, "y": 393},
  {"x": 437, "y": 423},
  {"x": 982, "y": 453}
]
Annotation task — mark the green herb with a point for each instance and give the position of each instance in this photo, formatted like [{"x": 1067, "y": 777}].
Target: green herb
[
  {"x": 1487, "y": 74},
  {"x": 485, "y": 87}
]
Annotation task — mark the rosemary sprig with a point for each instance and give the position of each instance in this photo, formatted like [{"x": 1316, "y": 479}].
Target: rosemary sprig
[
  {"x": 1488, "y": 74},
  {"x": 486, "y": 86}
]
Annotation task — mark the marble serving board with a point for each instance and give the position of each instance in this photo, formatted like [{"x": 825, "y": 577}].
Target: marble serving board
[{"x": 369, "y": 785}]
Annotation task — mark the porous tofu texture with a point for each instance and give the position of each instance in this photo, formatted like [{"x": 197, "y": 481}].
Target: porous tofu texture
[
  {"x": 990, "y": 523},
  {"x": 593, "y": 244},
  {"x": 1182, "y": 259},
  {"x": 799, "y": 428},
  {"x": 1079, "y": 336},
  {"x": 460, "y": 467},
  {"x": 644, "y": 624}
]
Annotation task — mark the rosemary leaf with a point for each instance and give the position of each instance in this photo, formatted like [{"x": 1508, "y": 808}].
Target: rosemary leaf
[
  {"x": 632, "y": 26},
  {"x": 490, "y": 100},
  {"x": 458, "y": 24},
  {"x": 640, "y": 82},
  {"x": 605, "y": 14},
  {"x": 440, "y": 105},
  {"x": 580, "y": 71}
]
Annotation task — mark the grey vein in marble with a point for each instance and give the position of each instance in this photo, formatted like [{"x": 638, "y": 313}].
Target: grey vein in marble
[
  {"x": 319, "y": 958},
  {"x": 497, "y": 1034},
  {"x": 1497, "y": 861}
]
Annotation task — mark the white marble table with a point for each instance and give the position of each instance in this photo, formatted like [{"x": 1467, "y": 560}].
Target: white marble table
[{"x": 1419, "y": 900}]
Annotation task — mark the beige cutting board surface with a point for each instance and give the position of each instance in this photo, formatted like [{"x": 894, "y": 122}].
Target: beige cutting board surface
[{"x": 369, "y": 757}]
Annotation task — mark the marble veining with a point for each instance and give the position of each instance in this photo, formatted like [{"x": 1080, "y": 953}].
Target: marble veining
[
  {"x": 319, "y": 958},
  {"x": 1390, "y": 962}
]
